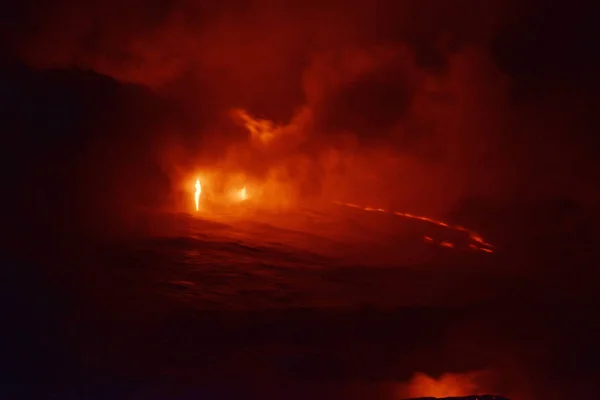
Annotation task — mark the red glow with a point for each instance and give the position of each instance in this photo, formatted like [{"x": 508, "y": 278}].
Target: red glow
[
  {"x": 390, "y": 156},
  {"x": 447, "y": 385},
  {"x": 227, "y": 186}
]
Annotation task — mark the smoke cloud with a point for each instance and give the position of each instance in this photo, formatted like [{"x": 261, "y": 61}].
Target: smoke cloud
[{"x": 420, "y": 106}]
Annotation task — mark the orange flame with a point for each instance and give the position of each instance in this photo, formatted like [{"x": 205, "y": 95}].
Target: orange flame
[{"x": 198, "y": 187}]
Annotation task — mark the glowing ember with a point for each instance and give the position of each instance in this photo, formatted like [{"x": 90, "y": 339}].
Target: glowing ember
[
  {"x": 472, "y": 235},
  {"x": 243, "y": 194},
  {"x": 198, "y": 187}
]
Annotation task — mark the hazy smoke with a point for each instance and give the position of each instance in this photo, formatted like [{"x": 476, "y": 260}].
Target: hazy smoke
[{"x": 418, "y": 105}]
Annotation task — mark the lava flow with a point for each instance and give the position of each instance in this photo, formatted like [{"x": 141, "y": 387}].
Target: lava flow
[
  {"x": 483, "y": 245},
  {"x": 265, "y": 131},
  {"x": 198, "y": 187},
  {"x": 243, "y": 194}
]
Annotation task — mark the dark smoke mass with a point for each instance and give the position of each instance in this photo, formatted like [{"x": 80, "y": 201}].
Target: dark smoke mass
[
  {"x": 478, "y": 113},
  {"x": 454, "y": 96}
]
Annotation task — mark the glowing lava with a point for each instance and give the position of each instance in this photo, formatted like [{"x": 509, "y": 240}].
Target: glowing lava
[
  {"x": 472, "y": 235},
  {"x": 198, "y": 187},
  {"x": 243, "y": 194}
]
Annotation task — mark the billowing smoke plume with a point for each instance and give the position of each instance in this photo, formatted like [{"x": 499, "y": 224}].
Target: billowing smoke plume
[{"x": 417, "y": 105}]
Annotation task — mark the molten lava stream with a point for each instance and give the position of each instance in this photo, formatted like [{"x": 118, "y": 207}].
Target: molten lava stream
[
  {"x": 472, "y": 235},
  {"x": 197, "y": 193}
]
